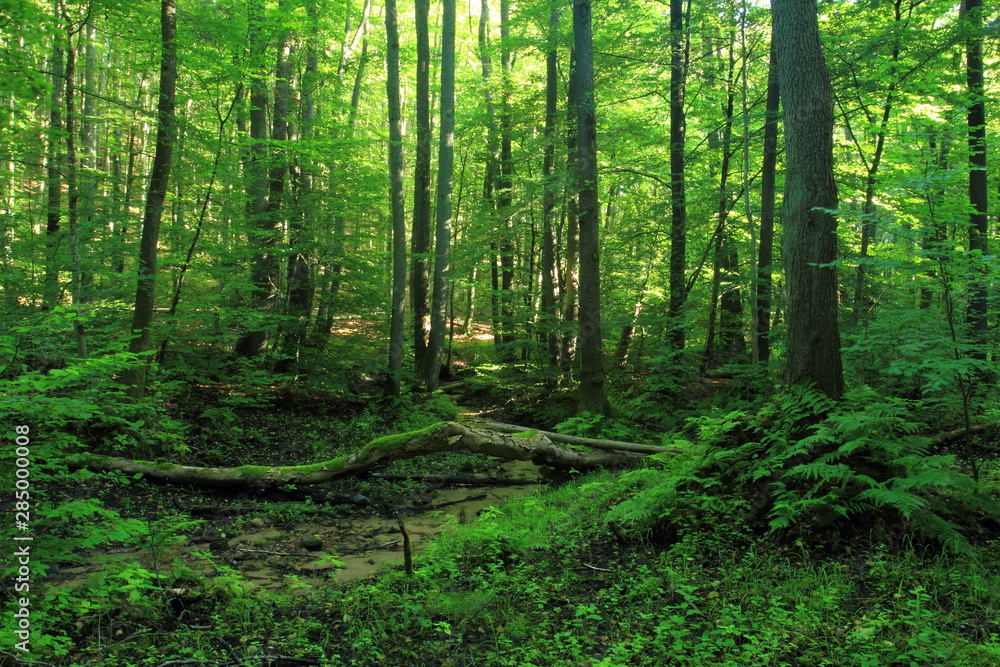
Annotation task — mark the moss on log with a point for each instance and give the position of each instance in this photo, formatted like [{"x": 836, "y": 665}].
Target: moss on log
[{"x": 441, "y": 437}]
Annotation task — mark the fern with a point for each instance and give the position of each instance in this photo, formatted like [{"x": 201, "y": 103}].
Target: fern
[
  {"x": 907, "y": 504},
  {"x": 861, "y": 458}
]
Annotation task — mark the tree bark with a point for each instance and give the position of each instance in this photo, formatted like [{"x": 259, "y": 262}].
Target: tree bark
[
  {"x": 159, "y": 180},
  {"x": 549, "y": 315},
  {"x": 505, "y": 186},
  {"x": 678, "y": 197},
  {"x": 446, "y": 160},
  {"x": 420, "y": 240},
  {"x": 765, "y": 251},
  {"x": 978, "y": 195},
  {"x": 73, "y": 193},
  {"x": 591, "y": 394},
  {"x": 810, "y": 243},
  {"x": 396, "y": 203},
  {"x": 571, "y": 275},
  {"x": 53, "y": 182}
]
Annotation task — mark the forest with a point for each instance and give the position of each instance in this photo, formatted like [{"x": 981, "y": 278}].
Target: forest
[{"x": 615, "y": 333}]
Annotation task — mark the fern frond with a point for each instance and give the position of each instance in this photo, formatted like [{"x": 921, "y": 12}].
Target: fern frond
[
  {"x": 908, "y": 504},
  {"x": 819, "y": 471}
]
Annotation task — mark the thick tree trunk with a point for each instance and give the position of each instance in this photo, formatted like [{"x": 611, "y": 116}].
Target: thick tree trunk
[
  {"x": 978, "y": 195},
  {"x": 397, "y": 205},
  {"x": 446, "y": 164},
  {"x": 678, "y": 197},
  {"x": 442, "y": 437},
  {"x": 158, "y": 183},
  {"x": 420, "y": 240},
  {"x": 571, "y": 275},
  {"x": 591, "y": 396},
  {"x": 810, "y": 242}
]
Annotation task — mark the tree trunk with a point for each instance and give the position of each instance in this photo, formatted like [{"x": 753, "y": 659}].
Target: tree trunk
[
  {"x": 591, "y": 396},
  {"x": 678, "y": 202},
  {"x": 725, "y": 295},
  {"x": 549, "y": 315},
  {"x": 53, "y": 182},
  {"x": 810, "y": 243},
  {"x": 571, "y": 275},
  {"x": 442, "y": 241},
  {"x": 73, "y": 194},
  {"x": 978, "y": 195},
  {"x": 628, "y": 331},
  {"x": 397, "y": 205},
  {"x": 158, "y": 183},
  {"x": 765, "y": 251},
  {"x": 420, "y": 240},
  {"x": 505, "y": 185}
]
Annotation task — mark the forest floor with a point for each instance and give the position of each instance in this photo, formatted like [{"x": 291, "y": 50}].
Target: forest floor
[
  {"x": 507, "y": 576},
  {"x": 295, "y": 539}
]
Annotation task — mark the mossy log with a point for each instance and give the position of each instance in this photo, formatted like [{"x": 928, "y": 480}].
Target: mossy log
[
  {"x": 616, "y": 445},
  {"x": 442, "y": 437}
]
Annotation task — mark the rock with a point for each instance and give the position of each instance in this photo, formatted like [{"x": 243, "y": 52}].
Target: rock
[
  {"x": 312, "y": 543},
  {"x": 257, "y": 522}
]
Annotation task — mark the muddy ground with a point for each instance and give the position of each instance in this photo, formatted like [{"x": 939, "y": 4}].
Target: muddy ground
[{"x": 296, "y": 539}]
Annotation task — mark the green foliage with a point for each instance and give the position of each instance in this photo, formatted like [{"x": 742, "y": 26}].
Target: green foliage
[{"x": 810, "y": 461}]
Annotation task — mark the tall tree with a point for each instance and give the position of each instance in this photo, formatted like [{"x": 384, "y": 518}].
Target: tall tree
[
  {"x": 263, "y": 235},
  {"x": 53, "y": 181},
  {"x": 420, "y": 240},
  {"x": 505, "y": 184},
  {"x": 571, "y": 274},
  {"x": 810, "y": 229},
  {"x": 768, "y": 178},
  {"x": 678, "y": 196},
  {"x": 446, "y": 165},
  {"x": 73, "y": 191},
  {"x": 155, "y": 195},
  {"x": 396, "y": 203},
  {"x": 550, "y": 188},
  {"x": 978, "y": 195},
  {"x": 592, "y": 397}
]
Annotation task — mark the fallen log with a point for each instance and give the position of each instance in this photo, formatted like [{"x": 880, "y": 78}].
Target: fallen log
[
  {"x": 441, "y": 437},
  {"x": 614, "y": 445},
  {"x": 947, "y": 436}
]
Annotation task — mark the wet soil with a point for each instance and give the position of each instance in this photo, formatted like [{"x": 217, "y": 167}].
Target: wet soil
[{"x": 294, "y": 539}]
